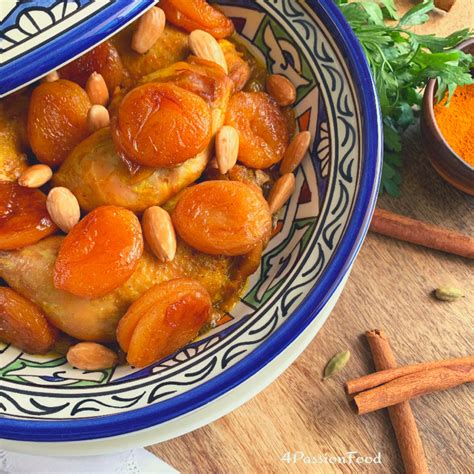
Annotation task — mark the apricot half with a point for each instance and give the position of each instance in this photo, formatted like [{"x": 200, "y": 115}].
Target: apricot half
[
  {"x": 197, "y": 15},
  {"x": 262, "y": 127},
  {"x": 222, "y": 217},
  {"x": 24, "y": 324},
  {"x": 100, "y": 253},
  {"x": 57, "y": 120},
  {"x": 24, "y": 219},
  {"x": 161, "y": 125},
  {"x": 165, "y": 318},
  {"x": 103, "y": 59}
]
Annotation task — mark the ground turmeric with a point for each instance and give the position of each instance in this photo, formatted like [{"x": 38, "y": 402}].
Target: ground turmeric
[{"x": 456, "y": 122}]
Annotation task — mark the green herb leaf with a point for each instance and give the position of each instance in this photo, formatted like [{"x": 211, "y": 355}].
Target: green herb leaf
[
  {"x": 373, "y": 11},
  {"x": 402, "y": 62},
  {"x": 418, "y": 14},
  {"x": 391, "y": 9},
  {"x": 336, "y": 364}
]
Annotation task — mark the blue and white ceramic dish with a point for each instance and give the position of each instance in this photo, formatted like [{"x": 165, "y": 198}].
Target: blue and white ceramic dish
[{"x": 45, "y": 404}]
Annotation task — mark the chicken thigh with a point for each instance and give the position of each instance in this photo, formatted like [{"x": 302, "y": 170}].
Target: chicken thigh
[{"x": 30, "y": 271}]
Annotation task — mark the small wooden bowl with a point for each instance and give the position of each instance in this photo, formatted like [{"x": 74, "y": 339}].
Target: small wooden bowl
[{"x": 444, "y": 159}]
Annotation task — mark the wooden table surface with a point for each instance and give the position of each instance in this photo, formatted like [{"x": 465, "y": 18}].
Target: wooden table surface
[{"x": 389, "y": 288}]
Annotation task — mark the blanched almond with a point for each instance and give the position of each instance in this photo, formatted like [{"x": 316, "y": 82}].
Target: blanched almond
[
  {"x": 63, "y": 208},
  {"x": 205, "y": 46},
  {"x": 227, "y": 148},
  {"x": 159, "y": 233},
  {"x": 96, "y": 89},
  {"x": 295, "y": 152},
  {"x": 35, "y": 176},
  {"x": 98, "y": 117},
  {"x": 150, "y": 27},
  {"x": 281, "y": 192},
  {"x": 91, "y": 356},
  {"x": 281, "y": 89},
  {"x": 51, "y": 77}
]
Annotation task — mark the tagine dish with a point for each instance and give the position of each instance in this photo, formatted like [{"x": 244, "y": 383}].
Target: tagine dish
[{"x": 139, "y": 186}]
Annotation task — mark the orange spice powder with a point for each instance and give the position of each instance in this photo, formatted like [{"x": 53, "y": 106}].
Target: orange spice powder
[{"x": 456, "y": 122}]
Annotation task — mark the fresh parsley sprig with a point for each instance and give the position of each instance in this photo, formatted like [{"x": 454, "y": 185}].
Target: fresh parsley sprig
[{"x": 402, "y": 62}]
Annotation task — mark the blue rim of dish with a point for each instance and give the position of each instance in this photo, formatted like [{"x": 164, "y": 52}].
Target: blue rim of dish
[
  {"x": 79, "y": 39},
  {"x": 147, "y": 417}
]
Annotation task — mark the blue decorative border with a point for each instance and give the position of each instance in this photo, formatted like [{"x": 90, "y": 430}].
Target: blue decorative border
[
  {"x": 78, "y": 39},
  {"x": 86, "y": 429}
]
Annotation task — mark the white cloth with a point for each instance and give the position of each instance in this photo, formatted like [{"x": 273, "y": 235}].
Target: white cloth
[{"x": 136, "y": 461}]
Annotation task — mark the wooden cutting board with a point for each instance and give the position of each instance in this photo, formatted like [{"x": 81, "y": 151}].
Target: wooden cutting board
[{"x": 389, "y": 288}]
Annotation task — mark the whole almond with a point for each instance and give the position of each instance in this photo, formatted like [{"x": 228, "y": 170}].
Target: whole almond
[
  {"x": 96, "y": 89},
  {"x": 150, "y": 27},
  {"x": 35, "y": 176},
  {"x": 159, "y": 233},
  {"x": 51, "y": 77},
  {"x": 295, "y": 152},
  {"x": 98, "y": 117},
  {"x": 281, "y": 89},
  {"x": 227, "y": 148},
  {"x": 63, "y": 208},
  {"x": 281, "y": 192},
  {"x": 205, "y": 46},
  {"x": 91, "y": 356}
]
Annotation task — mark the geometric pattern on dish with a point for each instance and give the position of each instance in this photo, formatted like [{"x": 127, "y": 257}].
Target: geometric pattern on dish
[
  {"x": 289, "y": 36},
  {"x": 323, "y": 149},
  {"x": 39, "y": 36},
  {"x": 24, "y": 25}
]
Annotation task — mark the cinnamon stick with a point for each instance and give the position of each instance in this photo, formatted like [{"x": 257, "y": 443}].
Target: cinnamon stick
[
  {"x": 378, "y": 378},
  {"x": 420, "y": 233},
  {"x": 401, "y": 416},
  {"x": 412, "y": 386}
]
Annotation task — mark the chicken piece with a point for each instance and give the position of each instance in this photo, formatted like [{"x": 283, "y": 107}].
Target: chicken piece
[
  {"x": 30, "y": 271},
  {"x": 96, "y": 174},
  {"x": 239, "y": 68},
  {"x": 13, "y": 141},
  {"x": 171, "y": 47}
]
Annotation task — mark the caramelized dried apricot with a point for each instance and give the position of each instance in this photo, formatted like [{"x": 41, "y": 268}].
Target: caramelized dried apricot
[
  {"x": 161, "y": 125},
  {"x": 24, "y": 325},
  {"x": 197, "y": 15},
  {"x": 57, "y": 120},
  {"x": 204, "y": 78},
  {"x": 262, "y": 128},
  {"x": 103, "y": 59},
  {"x": 13, "y": 140},
  {"x": 165, "y": 318},
  {"x": 100, "y": 253},
  {"x": 24, "y": 219},
  {"x": 222, "y": 217}
]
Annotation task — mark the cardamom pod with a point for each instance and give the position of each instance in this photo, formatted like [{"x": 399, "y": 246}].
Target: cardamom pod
[
  {"x": 336, "y": 364},
  {"x": 448, "y": 293}
]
